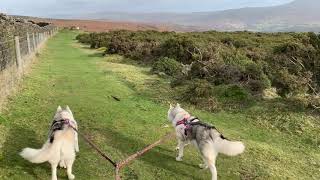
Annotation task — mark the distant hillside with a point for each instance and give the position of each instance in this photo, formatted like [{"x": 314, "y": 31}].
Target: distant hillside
[
  {"x": 108, "y": 25},
  {"x": 98, "y": 26},
  {"x": 299, "y": 15}
]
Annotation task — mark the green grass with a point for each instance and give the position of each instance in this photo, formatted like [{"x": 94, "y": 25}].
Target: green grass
[{"x": 68, "y": 74}]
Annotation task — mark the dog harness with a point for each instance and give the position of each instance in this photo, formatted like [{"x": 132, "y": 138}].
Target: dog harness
[
  {"x": 189, "y": 123},
  {"x": 56, "y": 126}
]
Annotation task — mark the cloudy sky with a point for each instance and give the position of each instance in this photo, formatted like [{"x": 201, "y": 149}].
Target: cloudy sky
[{"x": 47, "y": 8}]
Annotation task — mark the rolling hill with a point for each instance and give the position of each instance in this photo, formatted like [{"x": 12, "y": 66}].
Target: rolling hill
[{"x": 299, "y": 15}]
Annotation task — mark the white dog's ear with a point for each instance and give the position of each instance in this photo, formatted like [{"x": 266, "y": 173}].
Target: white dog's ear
[
  {"x": 171, "y": 106},
  {"x": 68, "y": 109},
  {"x": 59, "y": 109},
  {"x": 178, "y": 105}
]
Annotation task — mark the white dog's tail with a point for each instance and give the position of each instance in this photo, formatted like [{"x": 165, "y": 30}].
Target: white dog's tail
[
  {"x": 36, "y": 155},
  {"x": 230, "y": 148}
]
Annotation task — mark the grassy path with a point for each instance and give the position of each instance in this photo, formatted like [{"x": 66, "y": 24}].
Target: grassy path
[{"x": 67, "y": 74}]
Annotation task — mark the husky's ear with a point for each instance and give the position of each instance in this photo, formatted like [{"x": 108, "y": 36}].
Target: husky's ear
[
  {"x": 59, "y": 109},
  {"x": 171, "y": 106},
  {"x": 178, "y": 105},
  {"x": 68, "y": 109}
]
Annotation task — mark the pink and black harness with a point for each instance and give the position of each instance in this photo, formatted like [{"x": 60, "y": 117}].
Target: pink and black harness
[
  {"x": 58, "y": 125},
  {"x": 189, "y": 123}
]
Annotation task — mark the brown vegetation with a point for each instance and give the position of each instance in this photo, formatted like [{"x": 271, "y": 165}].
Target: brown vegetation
[{"x": 100, "y": 26}]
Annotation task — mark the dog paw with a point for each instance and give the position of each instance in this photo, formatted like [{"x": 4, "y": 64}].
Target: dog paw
[
  {"x": 71, "y": 177},
  {"x": 178, "y": 158},
  {"x": 203, "y": 166}
]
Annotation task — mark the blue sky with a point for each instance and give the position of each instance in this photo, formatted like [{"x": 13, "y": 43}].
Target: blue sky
[{"x": 53, "y": 7}]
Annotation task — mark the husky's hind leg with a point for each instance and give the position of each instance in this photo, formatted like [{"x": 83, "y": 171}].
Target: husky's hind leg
[
  {"x": 54, "y": 171},
  {"x": 69, "y": 164},
  {"x": 213, "y": 170},
  {"x": 209, "y": 157}
]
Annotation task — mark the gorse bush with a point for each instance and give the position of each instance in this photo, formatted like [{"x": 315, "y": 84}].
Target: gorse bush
[
  {"x": 84, "y": 38},
  {"x": 200, "y": 93},
  {"x": 289, "y": 62},
  {"x": 179, "y": 48},
  {"x": 168, "y": 66}
]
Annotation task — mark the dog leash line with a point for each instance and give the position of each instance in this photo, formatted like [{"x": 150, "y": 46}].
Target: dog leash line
[
  {"x": 118, "y": 166},
  {"x": 143, "y": 151},
  {"x": 95, "y": 147}
]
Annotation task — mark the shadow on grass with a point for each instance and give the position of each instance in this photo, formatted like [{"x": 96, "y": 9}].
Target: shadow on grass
[{"x": 17, "y": 139}]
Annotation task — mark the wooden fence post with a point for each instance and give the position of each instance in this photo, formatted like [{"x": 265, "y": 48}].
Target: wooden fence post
[
  {"x": 18, "y": 54},
  {"x": 37, "y": 40},
  {"x": 29, "y": 43},
  {"x": 34, "y": 42}
]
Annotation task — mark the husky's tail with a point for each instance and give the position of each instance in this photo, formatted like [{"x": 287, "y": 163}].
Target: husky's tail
[
  {"x": 36, "y": 155},
  {"x": 230, "y": 148}
]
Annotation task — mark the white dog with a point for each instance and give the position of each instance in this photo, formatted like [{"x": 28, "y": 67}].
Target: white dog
[
  {"x": 205, "y": 137},
  {"x": 61, "y": 146}
]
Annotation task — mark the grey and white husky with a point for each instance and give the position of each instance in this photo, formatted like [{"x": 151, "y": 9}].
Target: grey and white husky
[
  {"x": 61, "y": 146},
  {"x": 205, "y": 137}
]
